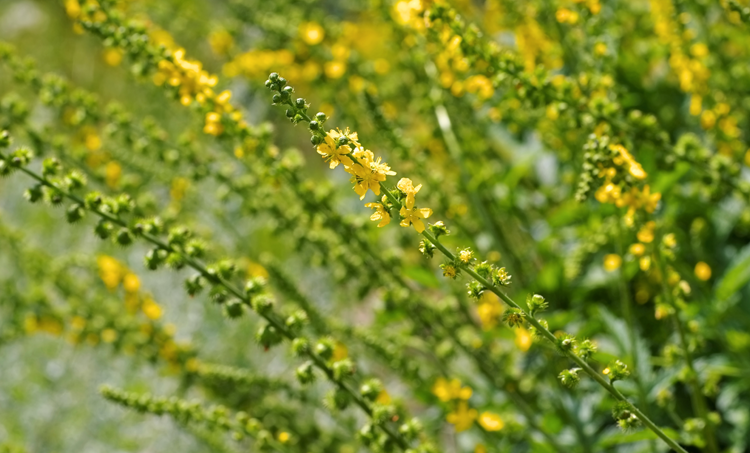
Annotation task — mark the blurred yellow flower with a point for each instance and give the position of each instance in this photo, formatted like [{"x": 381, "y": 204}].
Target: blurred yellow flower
[{"x": 702, "y": 271}]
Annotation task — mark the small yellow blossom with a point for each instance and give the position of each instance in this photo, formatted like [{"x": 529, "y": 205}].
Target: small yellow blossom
[
  {"x": 383, "y": 397},
  {"x": 283, "y": 437},
  {"x": 465, "y": 255},
  {"x": 151, "y": 309},
  {"x": 491, "y": 422},
  {"x": 334, "y": 69},
  {"x": 669, "y": 240},
  {"x": 462, "y": 417},
  {"x": 447, "y": 390},
  {"x": 645, "y": 263},
  {"x": 407, "y": 187},
  {"x": 612, "y": 262},
  {"x": 131, "y": 283},
  {"x": 109, "y": 335},
  {"x": 380, "y": 213},
  {"x": 312, "y": 33},
  {"x": 340, "y": 352},
  {"x": 335, "y": 154},
  {"x": 600, "y": 49},
  {"x": 369, "y": 172},
  {"x": 523, "y": 339},
  {"x": 637, "y": 249},
  {"x": 634, "y": 168},
  {"x": 479, "y": 448},
  {"x": 112, "y": 56},
  {"x": 449, "y": 271},
  {"x": 702, "y": 271},
  {"x": 646, "y": 234},
  {"x": 564, "y": 15},
  {"x": 414, "y": 217}
]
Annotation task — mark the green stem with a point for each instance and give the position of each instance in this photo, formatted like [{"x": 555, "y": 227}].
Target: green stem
[
  {"x": 279, "y": 325},
  {"x": 698, "y": 400},
  {"x": 548, "y": 335}
]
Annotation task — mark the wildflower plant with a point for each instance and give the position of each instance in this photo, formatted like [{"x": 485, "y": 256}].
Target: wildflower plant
[{"x": 555, "y": 259}]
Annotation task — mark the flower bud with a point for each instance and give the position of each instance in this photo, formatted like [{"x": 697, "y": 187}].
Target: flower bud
[
  {"x": 321, "y": 117},
  {"x": 305, "y": 374}
]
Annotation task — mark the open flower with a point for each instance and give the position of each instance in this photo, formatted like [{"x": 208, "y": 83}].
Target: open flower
[
  {"x": 381, "y": 213},
  {"x": 369, "y": 173},
  {"x": 414, "y": 217},
  {"x": 333, "y": 153},
  {"x": 463, "y": 417},
  {"x": 406, "y": 186}
]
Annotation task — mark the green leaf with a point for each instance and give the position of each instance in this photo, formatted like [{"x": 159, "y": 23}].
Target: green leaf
[
  {"x": 737, "y": 276},
  {"x": 422, "y": 276}
]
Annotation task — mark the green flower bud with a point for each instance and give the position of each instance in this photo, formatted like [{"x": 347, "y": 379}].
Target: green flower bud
[
  {"x": 268, "y": 336},
  {"x": 324, "y": 348},
  {"x": 371, "y": 389},
  {"x": 5, "y": 139},
  {"x": 194, "y": 284},
  {"x": 104, "y": 229},
  {"x": 305, "y": 373},
  {"x": 314, "y": 125},
  {"x": 439, "y": 229},
  {"x": 51, "y": 167},
  {"x": 262, "y": 303},
  {"x": 337, "y": 400},
  {"x": 124, "y": 237},
  {"x": 342, "y": 369},
  {"x": 255, "y": 286},
  {"x": 276, "y": 98},
  {"x": 234, "y": 308},
  {"x": 569, "y": 378},
  {"x": 273, "y": 77},
  {"x": 321, "y": 117},
  {"x": 75, "y": 213},
  {"x": 34, "y": 194},
  {"x": 300, "y": 346},
  {"x": 617, "y": 371},
  {"x": 536, "y": 304}
]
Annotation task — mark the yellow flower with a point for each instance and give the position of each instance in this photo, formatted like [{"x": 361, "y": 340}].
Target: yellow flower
[
  {"x": 465, "y": 255},
  {"x": 369, "y": 173},
  {"x": 612, "y": 262},
  {"x": 151, "y": 309},
  {"x": 523, "y": 339},
  {"x": 634, "y": 168},
  {"x": 335, "y": 154},
  {"x": 311, "y": 33},
  {"x": 646, "y": 234},
  {"x": 637, "y": 249},
  {"x": 131, "y": 283},
  {"x": 380, "y": 213},
  {"x": 414, "y": 217},
  {"x": 669, "y": 240},
  {"x": 284, "y": 437},
  {"x": 407, "y": 187},
  {"x": 449, "y": 271},
  {"x": 491, "y": 421},
  {"x": 447, "y": 390},
  {"x": 702, "y": 271},
  {"x": 645, "y": 263},
  {"x": 109, "y": 335},
  {"x": 463, "y": 417}
]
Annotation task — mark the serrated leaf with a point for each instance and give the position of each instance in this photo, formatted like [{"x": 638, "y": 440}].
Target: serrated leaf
[{"x": 736, "y": 277}]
